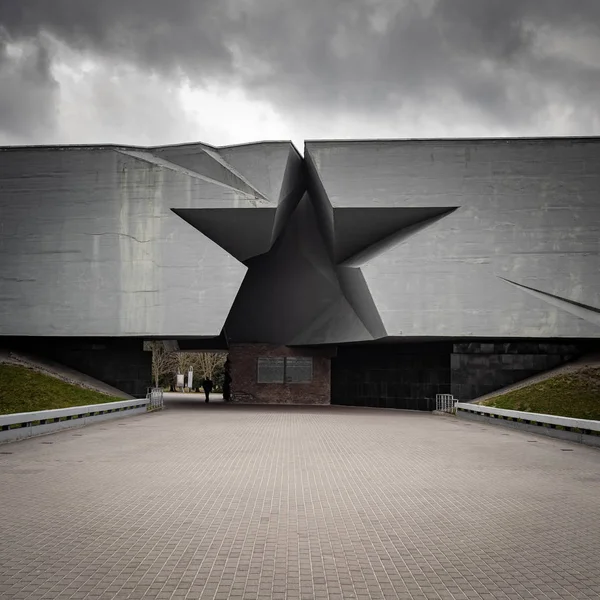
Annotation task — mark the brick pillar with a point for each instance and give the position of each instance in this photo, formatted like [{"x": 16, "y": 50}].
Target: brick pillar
[{"x": 244, "y": 381}]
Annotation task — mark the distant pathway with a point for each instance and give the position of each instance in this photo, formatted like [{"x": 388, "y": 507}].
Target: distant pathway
[
  {"x": 219, "y": 501},
  {"x": 190, "y": 399}
]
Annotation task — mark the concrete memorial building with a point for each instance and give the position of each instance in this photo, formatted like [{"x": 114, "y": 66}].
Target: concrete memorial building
[{"x": 373, "y": 273}]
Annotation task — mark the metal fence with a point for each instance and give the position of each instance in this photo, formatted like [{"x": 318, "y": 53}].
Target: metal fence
[
  {"x": 445, "y": 403},
  {"x": 155, "y": 399}
]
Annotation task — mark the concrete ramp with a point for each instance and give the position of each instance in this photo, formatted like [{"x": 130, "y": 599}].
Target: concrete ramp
[
  {"x": 583, "y": 362},
  {"x": 66, "y": 374}
]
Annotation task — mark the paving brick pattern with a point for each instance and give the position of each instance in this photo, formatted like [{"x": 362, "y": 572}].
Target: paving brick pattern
[{"x": 299, "y": 503}]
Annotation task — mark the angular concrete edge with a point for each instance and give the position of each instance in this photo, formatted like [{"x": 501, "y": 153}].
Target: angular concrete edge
[
  {"x": 242, "y": 232},
  {"x": 356, "y": 291},
  {"x": 387, "y": 243},
  {"x": 591, "y": 314},
  {"x": 321, "y": 204},
  {"x": 293, "y": 188}
]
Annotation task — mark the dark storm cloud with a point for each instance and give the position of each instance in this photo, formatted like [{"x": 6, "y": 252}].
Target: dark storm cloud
[
  {"x": 489, "y": 53},
  {"x": 162, "y": 34},
  {"x": 506, "y": 59}
]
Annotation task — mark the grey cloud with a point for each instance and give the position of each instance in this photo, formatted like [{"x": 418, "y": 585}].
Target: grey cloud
[
  {"x": 167, "y": 35},
  {"x": 353, "y": 55},
  {"x": 483, "y": 52},
  {"x": 27, "y": 91},
  {"x": 123, "y": 105}
]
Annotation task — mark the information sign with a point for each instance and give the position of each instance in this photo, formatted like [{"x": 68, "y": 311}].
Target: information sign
[
  {"x": 270, "y": 370},
  {"x": 299, "y": 369}
]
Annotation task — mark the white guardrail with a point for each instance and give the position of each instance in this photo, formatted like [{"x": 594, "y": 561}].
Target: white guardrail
[
  {"x": 19, "y": 426},
  {"x": 567, "y": 423},
  {"x": 155, "y": 397},
  {"x": 445, "y": 403}
]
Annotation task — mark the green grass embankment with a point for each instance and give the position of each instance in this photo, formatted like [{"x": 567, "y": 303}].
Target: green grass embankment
[
  {"x": 25, "y": 390},
  {"x": 575, "y": 394}
]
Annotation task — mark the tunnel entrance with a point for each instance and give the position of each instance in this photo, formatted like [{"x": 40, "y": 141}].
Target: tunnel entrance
[{"x": 189, "y": 372}]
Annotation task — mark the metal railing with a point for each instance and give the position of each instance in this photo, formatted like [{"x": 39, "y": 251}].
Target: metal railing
[
  {"x": 155, "y": 397},
  {"x": 445, "y": 403}
]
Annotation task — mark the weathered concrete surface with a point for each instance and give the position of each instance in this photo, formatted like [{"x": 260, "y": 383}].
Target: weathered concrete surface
[
  {"x": 90, "y": 245},
  {"x": 287, "y": 502},
  {"x": 425, "y": 238},
  {"x": 528, "y": 213}
]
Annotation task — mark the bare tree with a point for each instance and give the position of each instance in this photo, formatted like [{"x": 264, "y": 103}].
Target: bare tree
[
  {"x": 165, "y": 362},
  {"x": 182, "y": 361},
  {"x": 162, "y": 361},
  {"x": 209, "y": 362}
]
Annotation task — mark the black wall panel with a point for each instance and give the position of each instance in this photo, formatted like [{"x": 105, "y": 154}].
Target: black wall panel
[{"x": 391, "y": 376}]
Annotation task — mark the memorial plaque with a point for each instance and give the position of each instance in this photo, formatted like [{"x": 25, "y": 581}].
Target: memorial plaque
[
  {"x": 270, "y": 370},
  {"x": 299, "y": 369}
]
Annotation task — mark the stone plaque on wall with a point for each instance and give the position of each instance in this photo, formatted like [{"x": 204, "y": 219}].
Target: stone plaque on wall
[
  {"x": 299, "y": 369},
  {"x": 270, "y": 370}
]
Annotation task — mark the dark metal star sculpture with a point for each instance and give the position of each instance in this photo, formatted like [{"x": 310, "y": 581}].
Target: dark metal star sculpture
[
  {"x": 305, "y": 255},
  {"x": 304, "y": 283}
]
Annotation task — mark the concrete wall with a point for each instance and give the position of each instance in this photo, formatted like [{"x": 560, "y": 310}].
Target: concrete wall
[
  {"x": 409, "y": 375},
  {"x": 245, "y": 388},
  {"x": 479, "y": 368},
  {"x": 527, "y": 211},
  {"x": 90, "y": 245},
  {"x": 462, "y": 239}
]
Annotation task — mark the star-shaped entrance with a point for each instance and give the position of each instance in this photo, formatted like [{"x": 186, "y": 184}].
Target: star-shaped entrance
[{"x": 304, "y": 283}]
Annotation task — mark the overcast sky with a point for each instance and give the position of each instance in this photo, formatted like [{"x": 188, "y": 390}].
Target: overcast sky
[{"x": 231, "y": 71}]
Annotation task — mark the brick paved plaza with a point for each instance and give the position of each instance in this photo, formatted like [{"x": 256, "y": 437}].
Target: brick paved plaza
[{"x": 225, "y": 501}]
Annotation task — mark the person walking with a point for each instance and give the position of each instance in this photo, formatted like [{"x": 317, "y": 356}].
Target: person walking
[{"x": 207, "y": 386}]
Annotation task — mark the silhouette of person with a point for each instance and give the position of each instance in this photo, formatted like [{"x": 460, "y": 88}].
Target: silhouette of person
[{"x": 207, "y": 386}]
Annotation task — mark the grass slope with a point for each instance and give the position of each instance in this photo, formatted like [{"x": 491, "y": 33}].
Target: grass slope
[
  {"x": 575, "y": 394},
  {"x": 25, "y": 390}
]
